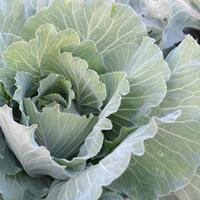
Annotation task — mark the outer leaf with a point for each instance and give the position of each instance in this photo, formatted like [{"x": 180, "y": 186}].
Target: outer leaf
[
  {"x": 147, "y": 73},
  {"x": 88, "y": 184},
  {"x": 13, "y": 13},
  {"x": 172, "y": 157},
  {"x": 98, "y": 20},
  {"x": 190, "y": 103},
  {"x": 166, "y": 19},
  {"x": 183, "y": 92},
  {"x": 154, "y": 13},
  {"x": 183, "y": 14},
  {"x": 18, "y": 186},
  {"x": 36, "y": 160},
  {"x": 8, "y": 162},
  {"x": 34, "y": 6},
  {"x": 190, "y": 192},
  {"x": 5, "y": 40},
  {"x": 12, "y": 16}
]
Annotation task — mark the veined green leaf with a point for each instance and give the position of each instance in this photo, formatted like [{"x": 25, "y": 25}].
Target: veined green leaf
[
  {"x": 154, "y": 13},
  {"x": 87, "y": 51},
  {"x": 93, "y": 20},
  {"x": 36, "y": 160},
  {"x": 43, "y": 51},
  {"x": 166, "y": 20},
  {"x": 94, "y": 141},
  {"x": 173, "y": 155},
  {"x": 14, "y": 13},
  {"x": 41, "y": 56},
  {"x": 12, "y": 16},
  {"x": 89, "y": 90},
  {"x": 183, "y": 91},
  {"x": 18, "y": 186},
  {"x": 190, "y": 192},
  {"x": 116, "y": 86},
  {"x": 63, "y": 128},
  {"x": 87, "y": 185},
  {"x": 147, "y": 73},
  {"x": 82, "y": 70},
  {"x": 5, "y": 40},
  {"x": 26, "y": 86},
  {"x": 183, "y": 14},
  {"x": 32, "y": 56},
  {"x": 12, "y": 21},
  {"x": 8, "y": 162}
]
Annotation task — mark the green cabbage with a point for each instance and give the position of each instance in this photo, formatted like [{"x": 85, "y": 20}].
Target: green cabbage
[{"x": 90, "y": 109}]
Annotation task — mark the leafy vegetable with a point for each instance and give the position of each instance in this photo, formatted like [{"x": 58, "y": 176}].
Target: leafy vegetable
[{"x": 90, "y": 108}]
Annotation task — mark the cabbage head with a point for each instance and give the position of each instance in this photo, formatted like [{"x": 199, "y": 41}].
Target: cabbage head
[{"x": 90, "y": 109}]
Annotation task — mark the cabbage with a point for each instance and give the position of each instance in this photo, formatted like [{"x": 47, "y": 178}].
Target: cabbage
[{"x": 90, "y": 108}]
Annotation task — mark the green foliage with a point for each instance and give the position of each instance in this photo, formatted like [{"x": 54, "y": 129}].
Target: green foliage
[{"x": 90, "y": 108}]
